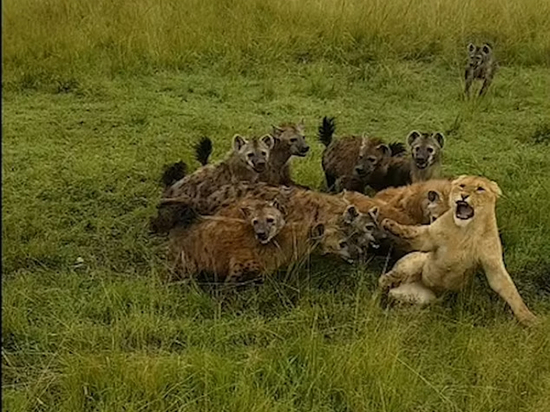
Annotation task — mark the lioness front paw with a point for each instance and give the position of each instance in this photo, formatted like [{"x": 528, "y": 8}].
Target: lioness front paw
[
  {"x": 384, "y": 282},
  {"x": 390, "y": 225}
]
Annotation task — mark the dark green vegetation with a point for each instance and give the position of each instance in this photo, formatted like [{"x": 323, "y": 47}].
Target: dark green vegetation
[{"x": 98, "y": 96}]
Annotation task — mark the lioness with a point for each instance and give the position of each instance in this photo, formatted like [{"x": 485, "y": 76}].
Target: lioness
[{"x": 451, "y": 249}]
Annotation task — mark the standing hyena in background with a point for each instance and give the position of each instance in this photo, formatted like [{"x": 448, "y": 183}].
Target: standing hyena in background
[{"x": 481, "y": 65}]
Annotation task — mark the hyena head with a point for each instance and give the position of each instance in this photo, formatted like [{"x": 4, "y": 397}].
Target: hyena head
[
  {"x": 371, "y": 154},
  {"x": 364, "y": 227},
  {"x": 434, "y": 205},
  {"x": 291, "y": 139},
  {"x": 334, "y": 240},
  {"x": 478, "y": 56},
  {"x": 425, "y": 148},
  {"x": 254, "y": 152},
  {"x": 266, "y": 218}
]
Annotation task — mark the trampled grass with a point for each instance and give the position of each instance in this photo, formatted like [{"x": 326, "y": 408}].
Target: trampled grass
[{"x": 98, "y": 96}]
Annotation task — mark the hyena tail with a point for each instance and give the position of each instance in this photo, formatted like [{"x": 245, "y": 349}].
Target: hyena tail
[
  {"x": 170, "y": 216},
  {"x": 172, "y": 173},
  {"x": 203, "y": 150},
  {"x": 326, "y": 130},
  {"x": 397, "y": 149}
]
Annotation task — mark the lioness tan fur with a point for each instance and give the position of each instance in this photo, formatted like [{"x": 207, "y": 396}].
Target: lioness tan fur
[{"x": 453, "y": 248}]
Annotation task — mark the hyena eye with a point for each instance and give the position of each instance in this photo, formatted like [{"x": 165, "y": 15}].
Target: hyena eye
[
  {"x": 250, "y": 155},
  {"x": 369, "y": 227},
  {"x": 343, "y": 244},
  {"x": 371, "y": 159},
  {"x": 264, "y": 153},
  {"x": 293, "y": 140},
  {"x": 430, "y": 150},
  {"x": 480, "y": 189},
  {"x": 270, "y": 220}
]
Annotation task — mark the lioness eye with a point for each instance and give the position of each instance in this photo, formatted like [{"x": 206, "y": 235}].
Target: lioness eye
[
  {"x": 462, "y": 186},
  {"x": 480, "y": 189},
  {"x": 270, "y": 220}
]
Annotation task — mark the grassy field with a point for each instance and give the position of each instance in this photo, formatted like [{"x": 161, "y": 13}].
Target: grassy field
[{"x": 94, "y": 107}]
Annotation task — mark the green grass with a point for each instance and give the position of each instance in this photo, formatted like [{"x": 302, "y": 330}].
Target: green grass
[
  {"x": 63, "y": 41},
  {"x": 80, "y": 179}
]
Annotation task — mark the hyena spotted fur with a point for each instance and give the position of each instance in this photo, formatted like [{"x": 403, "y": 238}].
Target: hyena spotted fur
[
  {"x": 289, "y": 140},
  {"x": 246, "y": 162},
  {"x": 481, "y": 66}
]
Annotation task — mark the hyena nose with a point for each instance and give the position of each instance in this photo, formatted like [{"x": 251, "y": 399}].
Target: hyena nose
[
  {"x": 305, "y": 149},
  {"x": 359, "y": 168},
  {"x": 261, "y": 235}
]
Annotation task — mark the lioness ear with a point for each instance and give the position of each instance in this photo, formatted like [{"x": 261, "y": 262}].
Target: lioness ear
[
  {"x": 238, "y": 142},
  {"x": 412, "y": 137},
  {"x": 440, "y": 138},
  {"x": 471, "y": 48},
  {"x": 373, "y": 212},
  {"x": 384, "y": 149},
  {"x": 350, "y": 214},
  {"x": 268, "y": 141},
  {"x": 433, "y": 196},
  {"x": 486, "y": 49},
  {"x": 495, "y": 189},
  {"x": 317, "y": 231}
]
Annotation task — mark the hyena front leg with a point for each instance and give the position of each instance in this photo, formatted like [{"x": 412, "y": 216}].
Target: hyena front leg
[
  {"x": 242, "y": 270},
  {"x": 469, "y": 78},
  {"x": 486, "y": 83}
]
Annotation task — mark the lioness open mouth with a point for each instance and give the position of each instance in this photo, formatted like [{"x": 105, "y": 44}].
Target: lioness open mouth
[{"x": 463, "y": 210}]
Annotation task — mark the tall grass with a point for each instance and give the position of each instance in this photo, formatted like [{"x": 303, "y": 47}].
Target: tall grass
[{"x": 43, "y": 39}]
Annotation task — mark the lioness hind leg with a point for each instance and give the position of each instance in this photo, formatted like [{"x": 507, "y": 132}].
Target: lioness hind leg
[
  {"x": 407, "y": 269},
  {"x": 412, "y": 293}
]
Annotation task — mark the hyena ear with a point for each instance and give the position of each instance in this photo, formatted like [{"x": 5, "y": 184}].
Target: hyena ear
[
  {"x": 412, "y": 137},
  {"x": 246, "y": 211},
  {"x": 471, "y": 48},
  {"x": 268, "y": 141},
  {"x": 373, "y": 212},
  {"x": 385, "y": 149},
  {"x": 317, "y": 231},
  {"x": 276, "y": 203},
  {"x": 433, "y": 196},
  {"x": 301, "y": 124},
  {"x": 276, "y": 130},
  {"x": 238, "y": 142},
  {"x": 350, "y": 214},
  {"x": 486, "y": 49},
  {"x": 440, "y": 138},
  {"x": 495, "y": 189}
]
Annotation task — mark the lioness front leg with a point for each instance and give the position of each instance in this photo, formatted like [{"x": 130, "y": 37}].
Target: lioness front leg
[
  {"x": 417, "y": 237},
  {"x": 501, "y": 282}
]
